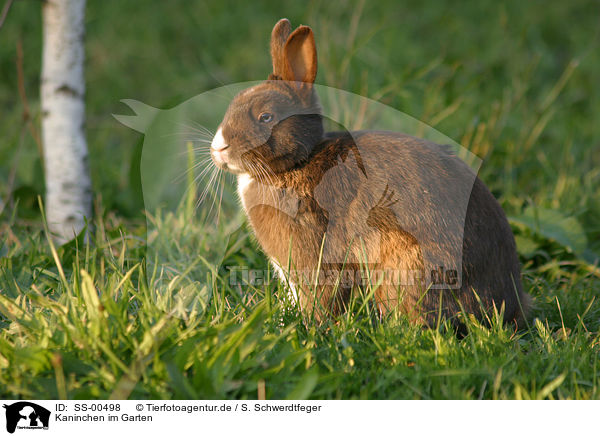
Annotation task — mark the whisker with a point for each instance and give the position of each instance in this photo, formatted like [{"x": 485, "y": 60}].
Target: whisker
[
  {"x": 199, "y": 128},
  {"x": 202, "y": 127},
  {"x": 201, "y": 151},
  {"x": 204, "y": 191},
  {"x": 221, "y": 196},
  {"x": 268, "y": 173},
  {"x": 203, "y": 173},
  {"x": 218, "y": 182},
  {"x": 269, "y": 185},
  {"x": 208, "y": 186},
  {"x": 196, "y": 136},
  {"x": 178, "y": 178}
]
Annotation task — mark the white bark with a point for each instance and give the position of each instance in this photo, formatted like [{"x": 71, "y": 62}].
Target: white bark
[{"x": 68, "y": 185}]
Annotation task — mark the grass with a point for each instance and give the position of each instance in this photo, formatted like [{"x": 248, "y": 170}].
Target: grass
[
  {"x": 516, "y": 84},
  {"x": 84, "y": 323}
]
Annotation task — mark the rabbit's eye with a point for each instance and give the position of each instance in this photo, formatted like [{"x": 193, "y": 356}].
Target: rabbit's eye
[{"x": 265, "y": 117}]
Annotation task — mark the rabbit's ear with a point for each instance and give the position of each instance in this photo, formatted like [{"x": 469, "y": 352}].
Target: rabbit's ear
[
  {"x": 300, "y": 54},
  {"x": 279, "y": 36}
]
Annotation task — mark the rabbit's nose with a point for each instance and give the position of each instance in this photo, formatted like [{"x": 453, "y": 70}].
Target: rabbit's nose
[{"x": 218, "y": 143}]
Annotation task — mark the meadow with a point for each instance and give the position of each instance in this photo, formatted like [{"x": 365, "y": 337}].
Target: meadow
[{"x": 515, "y": 83}]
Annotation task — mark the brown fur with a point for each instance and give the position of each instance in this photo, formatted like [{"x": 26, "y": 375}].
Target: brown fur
[{"x": 416, "y": 220}]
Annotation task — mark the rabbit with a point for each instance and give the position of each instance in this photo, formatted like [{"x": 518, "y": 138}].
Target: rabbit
[{"x": 340, "y": 203}]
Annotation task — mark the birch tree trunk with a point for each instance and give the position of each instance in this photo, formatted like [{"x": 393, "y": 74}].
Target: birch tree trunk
[{"x": 68, "y": 185}]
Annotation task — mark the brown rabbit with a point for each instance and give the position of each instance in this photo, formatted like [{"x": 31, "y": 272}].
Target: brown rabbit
[{"x": 356, "y": 207}]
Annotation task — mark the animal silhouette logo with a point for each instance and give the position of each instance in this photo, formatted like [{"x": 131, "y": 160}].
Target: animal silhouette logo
[
  {"x": 175, "y": 161},
  {"x": 26, "y": 415}
]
